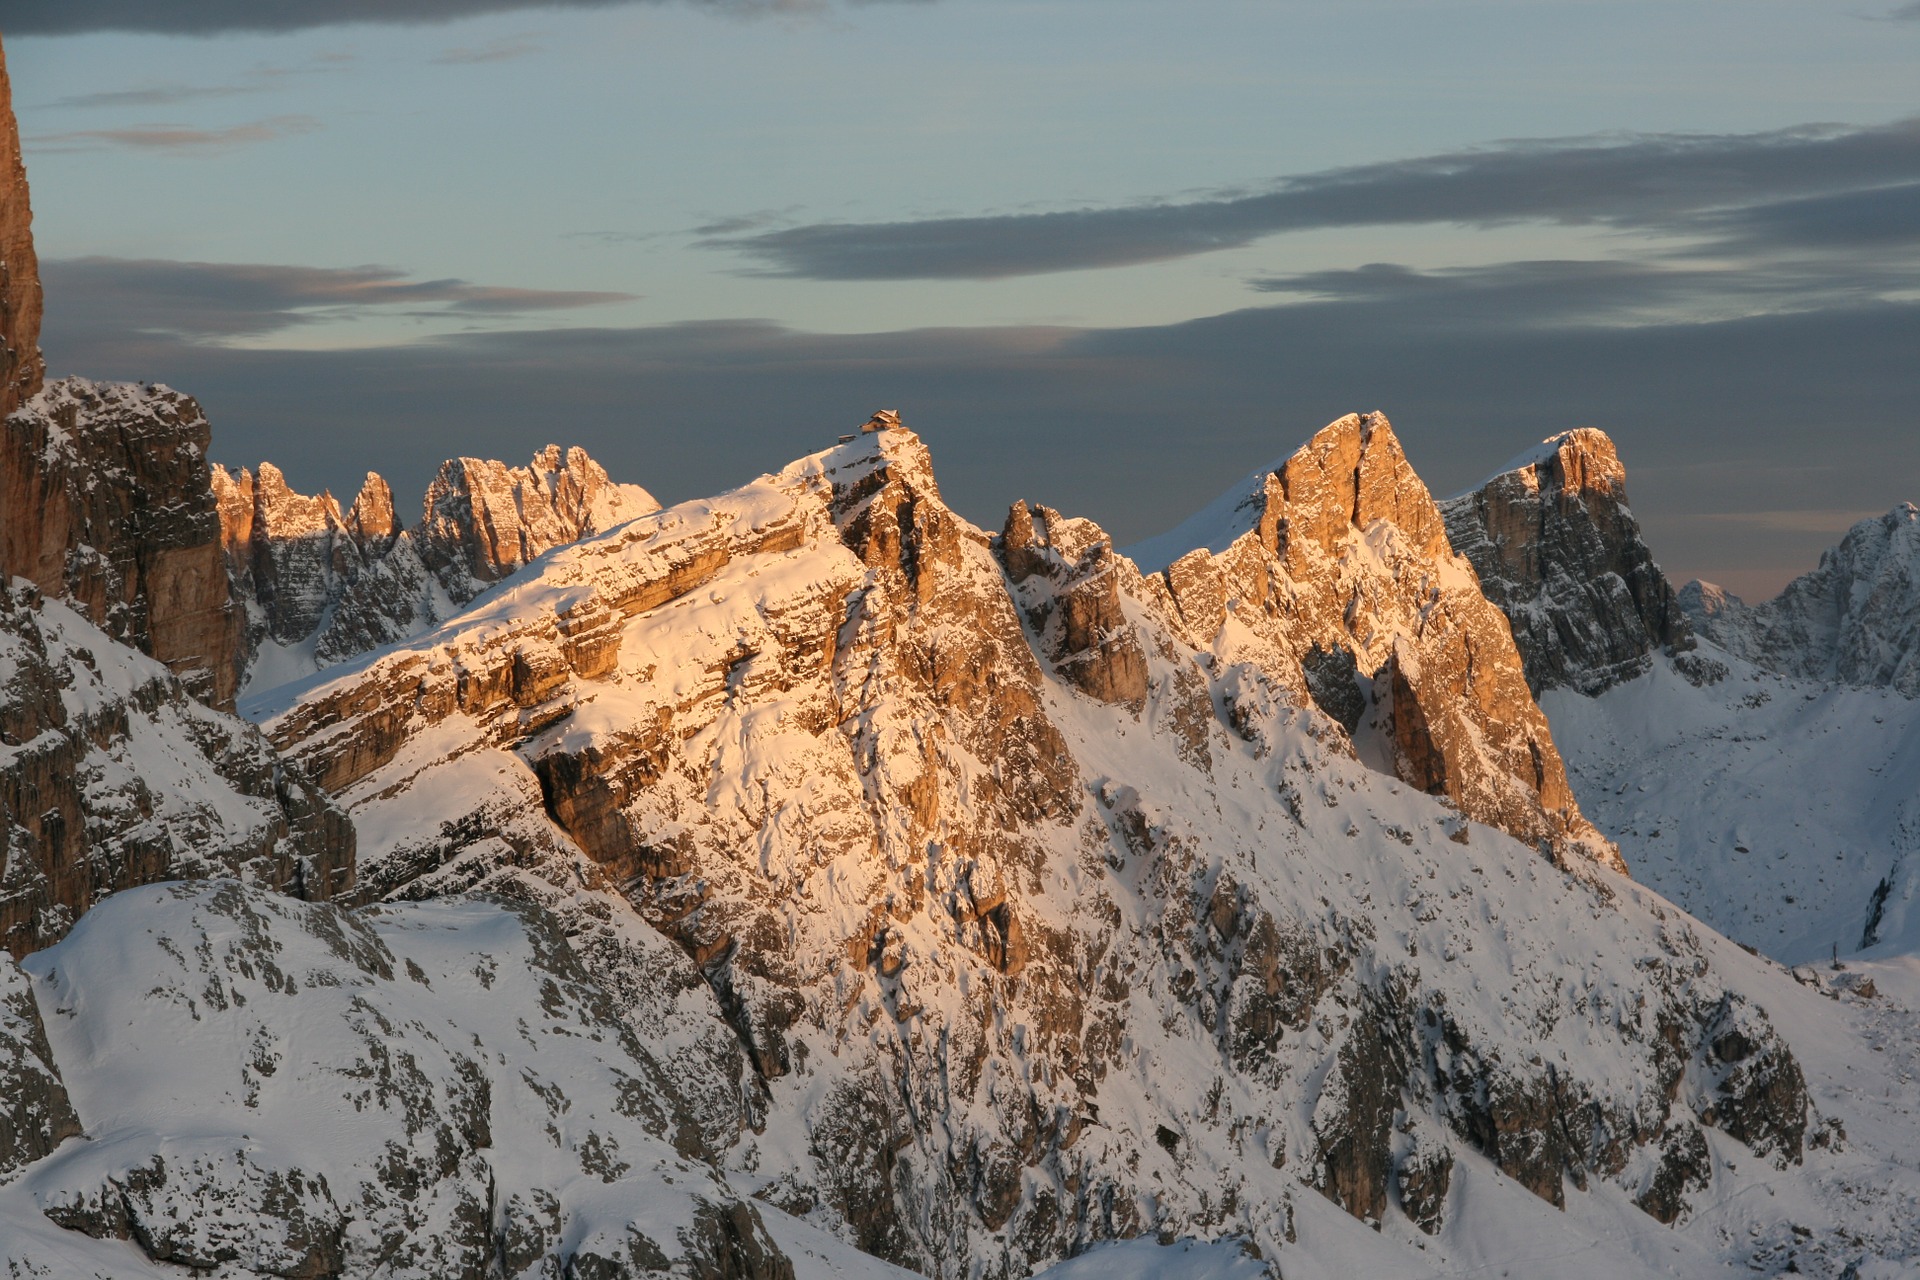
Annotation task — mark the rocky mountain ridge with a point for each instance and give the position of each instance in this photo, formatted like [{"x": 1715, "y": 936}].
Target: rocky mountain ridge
[
  {"x": 1557, "y": 548},
  {"x": 972, "y": 838},
  {"x": 1855, "y": 619},
  {"x": 112, "y": 775},
  {"x": 803, "y": 881},
  {"x": 320, "y": 585}
]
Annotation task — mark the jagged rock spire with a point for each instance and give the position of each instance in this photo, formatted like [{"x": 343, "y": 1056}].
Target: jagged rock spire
[
  {"x": 21, "y": 366},
  {"x": 1559, "y": 551}
]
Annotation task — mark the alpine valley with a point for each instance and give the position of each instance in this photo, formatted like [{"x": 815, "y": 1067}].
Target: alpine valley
[{"x": 805, "y": 882}]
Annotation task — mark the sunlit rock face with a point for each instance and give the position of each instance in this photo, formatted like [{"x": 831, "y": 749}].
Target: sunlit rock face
[
  {"x": 1331, "y": 573},
  {"x": 1557, "y": 548},
  {"x": 1855, "y": 619},
  {"x": 320, "y": 585},
  {"x": 971, "y": 837},
  {"x": 21, "y": 368}
]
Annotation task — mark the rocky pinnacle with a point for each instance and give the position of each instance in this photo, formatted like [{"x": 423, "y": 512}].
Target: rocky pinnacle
[{"x": 21, "y": 367}]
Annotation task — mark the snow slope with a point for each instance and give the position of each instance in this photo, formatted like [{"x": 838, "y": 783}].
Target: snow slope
[
  {"x": 1774, "y": 809},
  {"x": 432, "y": 1090}
]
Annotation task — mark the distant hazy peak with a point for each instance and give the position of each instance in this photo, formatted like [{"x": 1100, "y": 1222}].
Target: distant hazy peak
[{"x": 1855, "y": 619}]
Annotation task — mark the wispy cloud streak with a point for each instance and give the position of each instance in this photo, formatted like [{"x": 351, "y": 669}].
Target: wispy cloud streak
[
  {"x": 1666, "y": 183},
  {"x": 174, "y": 137}
]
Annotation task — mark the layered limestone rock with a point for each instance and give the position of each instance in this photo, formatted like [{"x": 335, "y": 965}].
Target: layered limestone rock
[
  {"x": 1079, "y": 617},
  {"x": 1037, "y": 922},
  {"x": 1558, "y": 550},
  {"x": 106, "y": 500},
  {"x": 321, "y": 585},
  {"x": 1331, "y": 573},
  {"x": 21, "y": 368},
  {"x": 111, "y": 776},
  {"x": 1855, "y": 619}
]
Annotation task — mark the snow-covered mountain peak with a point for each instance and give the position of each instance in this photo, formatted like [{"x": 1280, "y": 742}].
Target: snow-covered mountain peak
[
  {"x": 1559, "y": 551},
  {"x": 1344, "y": 448},
  {"x": 1855, "y": 619},
  {"x": 1577, "y": 460}
]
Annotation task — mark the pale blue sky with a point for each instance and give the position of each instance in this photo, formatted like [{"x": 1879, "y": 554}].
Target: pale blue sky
[{"x": 564, "y": 151}]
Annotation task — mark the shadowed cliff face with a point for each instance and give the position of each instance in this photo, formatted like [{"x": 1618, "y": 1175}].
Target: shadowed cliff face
[
  {"x": 1559, "y": 551},
  {"x": 1855, "y": 619},
  {"x": 21, "y": 367},
  {"x": 320, "y": 585}
]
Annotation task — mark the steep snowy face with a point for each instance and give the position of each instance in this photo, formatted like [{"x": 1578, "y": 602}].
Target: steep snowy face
[
  {"x": 1855, "y": 619},
  {"x": 1038, "y": 923},
  {"x": 1331, "y": 574},
  {"x": 321, "y": 585},
  {"x": 437, "y": 1091},
  {"x": 21, "y": 368},
  {"x": 112, "y": 776},
  {"x": 106, "y": 500},
  {"x": 1558, "y": 550},
  {"x": 1783, "y": 812}
]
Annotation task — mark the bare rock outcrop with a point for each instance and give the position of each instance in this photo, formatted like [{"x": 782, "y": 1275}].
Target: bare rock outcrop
[
  {"x": 1558, "y": 550},
  {"x": 106, "y": 500},
  {"x": 1331, "y": 572},
  {"x": 484, "y": 519},
  {"x": 1854, "y": 620},
  {"x": 1067, "y": 577},
  {"x": 111, "y": 776},
  {"x": 320, "y": 585},
  {"x": 21, "y": 367},
  {"x": 36, "y": 1115}
]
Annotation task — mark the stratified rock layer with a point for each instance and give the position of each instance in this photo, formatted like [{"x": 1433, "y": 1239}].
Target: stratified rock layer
[
  {"x": 112, "y": 776},
  {"x": 106, "y": 500},
  {"x": 21, "y": 368},
  {"x": 1855, "y": 619},
  {"x": 1558, "y": 550}
]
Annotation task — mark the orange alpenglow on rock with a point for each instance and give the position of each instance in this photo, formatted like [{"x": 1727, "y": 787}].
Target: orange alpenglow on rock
[{"x": 21, "y": 367}]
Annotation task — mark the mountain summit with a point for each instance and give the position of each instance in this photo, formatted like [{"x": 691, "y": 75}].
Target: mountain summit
[{"x": 21, "y": 368}]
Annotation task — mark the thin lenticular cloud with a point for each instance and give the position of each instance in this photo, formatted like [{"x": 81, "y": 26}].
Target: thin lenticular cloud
[
  {"x": 1662, "y": 183},
  {"x": 215, "y": 17},
  {"x": 170, "y": 137},
  {"x": 158, "y": 96},
  {"x": 214, "y": 301}
]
